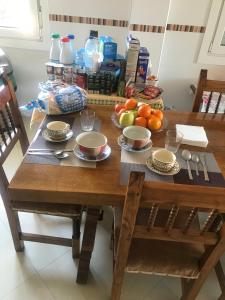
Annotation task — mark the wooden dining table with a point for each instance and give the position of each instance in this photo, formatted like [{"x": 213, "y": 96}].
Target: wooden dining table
[{"x": 100, "y": 186}]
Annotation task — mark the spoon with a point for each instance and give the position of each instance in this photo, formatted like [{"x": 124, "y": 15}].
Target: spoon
[
  {"x": 60, "y": 154},
  {"x": 195, "y": 159},
  {"x": 186, "y": 154}
]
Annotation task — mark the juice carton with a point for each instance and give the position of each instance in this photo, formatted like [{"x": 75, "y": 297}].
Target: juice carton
[{"x": 142, "y": 65}]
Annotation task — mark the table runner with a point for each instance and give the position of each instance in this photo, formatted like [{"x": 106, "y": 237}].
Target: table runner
[
  {"x": 136, "y": 162},
  {"x": 40, "y": 143}
]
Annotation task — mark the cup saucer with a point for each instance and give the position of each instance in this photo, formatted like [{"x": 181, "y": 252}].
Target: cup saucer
[
  {"x": 126, "y": 147},
  {"x": 104, "y": 155},
  {"x": 176, "y": 168},
  {"x": 48, "y": 138}
]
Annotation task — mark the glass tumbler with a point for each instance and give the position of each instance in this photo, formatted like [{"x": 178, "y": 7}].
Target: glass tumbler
[
  {"x": 173, "y": 140},
  {"x": 87, "y": 120}
]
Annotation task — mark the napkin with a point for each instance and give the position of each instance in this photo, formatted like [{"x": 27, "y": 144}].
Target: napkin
[{"x": 193, "y": 135}]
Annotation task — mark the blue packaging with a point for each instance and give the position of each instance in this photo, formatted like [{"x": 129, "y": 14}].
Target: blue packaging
[
  {"x": 110, "y": 51},
  {"x": 142, "y": 65}
]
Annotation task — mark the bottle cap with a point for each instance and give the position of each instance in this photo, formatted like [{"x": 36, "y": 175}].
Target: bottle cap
[
  {"x": 71, "y": 36},
  {"x": 65, "y": 40},
  {"x": 94, "y": 33},
  {"x": 55, "y": 35}
]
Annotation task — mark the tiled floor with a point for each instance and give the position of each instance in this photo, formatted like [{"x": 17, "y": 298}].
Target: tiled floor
[{"x": 48, "y": 272}]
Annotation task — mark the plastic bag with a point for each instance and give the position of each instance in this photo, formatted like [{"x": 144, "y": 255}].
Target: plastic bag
[{"x": 56, "y": 98}]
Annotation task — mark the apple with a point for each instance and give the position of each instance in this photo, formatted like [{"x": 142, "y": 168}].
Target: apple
[
  {"x": 118, "y": 107},
  {"x": 126, "y": 119},
  {"x": 134, "y": 112},
  {"x": 121, "y": 111}
]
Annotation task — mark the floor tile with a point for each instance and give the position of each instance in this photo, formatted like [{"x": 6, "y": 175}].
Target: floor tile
[
  {"x": 60, "y": 278},
  {"x": 32, "y": 288},
  {"x": 210, "y": 289},
  {"x": 160, "y": 292},
  {"x": 137, "y": 286},
  {"x": 15, "y": 267}
]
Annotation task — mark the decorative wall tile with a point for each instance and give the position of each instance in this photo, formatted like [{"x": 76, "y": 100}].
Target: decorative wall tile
[
  {"x": 87, "y": 20},
  {"x": 185, "y": 28},
  {"x": 147, "y": 28}
]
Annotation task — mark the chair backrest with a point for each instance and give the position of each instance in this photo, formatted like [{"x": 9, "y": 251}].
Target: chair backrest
[
  {"x": 209, "y": 96},
  {"x": 11, "y": 124},
  {"x": 174, "y": 199}
]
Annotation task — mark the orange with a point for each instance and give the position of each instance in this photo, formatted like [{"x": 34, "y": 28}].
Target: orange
[
  {"x": 154, "y": 123},
  {"x": 144, "y": 111},
  {"x": 130, "y": 104},
  {"x": 140, "y": 121},
  {"x": 158, "y": 113}
]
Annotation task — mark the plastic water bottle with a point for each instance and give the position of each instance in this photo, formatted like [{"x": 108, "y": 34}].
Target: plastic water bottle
[
  {"x": 91, "y": 53},
  {"x": 55, "y": 48},
  {"x": 66, "y": 55},
  {"x": 72, "y": 38},
  {"x": 79, "y": 61}
]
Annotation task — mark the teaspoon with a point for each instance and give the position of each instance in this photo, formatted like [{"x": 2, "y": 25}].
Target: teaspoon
[
  {"x": 186, "y": 154},
  {"x": 195, "y": 159}
]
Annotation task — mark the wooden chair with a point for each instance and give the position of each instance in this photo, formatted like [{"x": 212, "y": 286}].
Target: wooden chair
[
  {"x": 12, "y": 130},
  {"x": 158, "y": 232},
  {"x": 209, "y": 95}
]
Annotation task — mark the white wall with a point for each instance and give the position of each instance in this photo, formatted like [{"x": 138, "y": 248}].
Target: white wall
[{"x": 179, "y": 67}]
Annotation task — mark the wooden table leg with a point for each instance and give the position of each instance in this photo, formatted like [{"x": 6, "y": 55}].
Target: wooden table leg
[{"x": 87, "y": 244}]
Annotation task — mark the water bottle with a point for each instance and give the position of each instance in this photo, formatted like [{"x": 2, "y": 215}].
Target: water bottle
[
  {"x": 72, "y": 38},
  {"x": 79, "y": 61},
  {"x": 55, "y": 48},
  {"x": 91, "y": 53},
  {"x": 66, "y": 55}
]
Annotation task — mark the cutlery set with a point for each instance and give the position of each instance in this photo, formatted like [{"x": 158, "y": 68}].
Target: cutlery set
[
  {"x": 196, "y": 159},
  {"x": 60, "y": 154}
]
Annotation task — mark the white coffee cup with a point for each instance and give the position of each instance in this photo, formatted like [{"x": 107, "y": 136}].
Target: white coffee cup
[
  {"x": 57, "y": 129},
  {"x": 163, "y": 160}
]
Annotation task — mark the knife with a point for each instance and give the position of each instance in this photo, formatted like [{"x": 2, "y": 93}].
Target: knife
[
  {"x": 50, "y": 150},
  {"x": 203, "y": 162}
]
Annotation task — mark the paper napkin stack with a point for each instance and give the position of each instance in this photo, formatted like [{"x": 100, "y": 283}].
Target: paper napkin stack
[{"x": 193, "y": 135}]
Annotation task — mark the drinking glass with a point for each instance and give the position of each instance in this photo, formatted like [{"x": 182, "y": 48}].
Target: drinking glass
[
  {"x": 173, "y": 140},
  {"x": 87, "y": 120}
]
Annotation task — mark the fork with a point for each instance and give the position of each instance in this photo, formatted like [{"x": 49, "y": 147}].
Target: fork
[{"x": 203, "y": 162}]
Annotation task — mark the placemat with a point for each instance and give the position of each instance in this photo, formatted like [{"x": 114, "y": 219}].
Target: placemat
[
  {"x": 136, "y": 162},
  {"x": 40, "y": 143}
]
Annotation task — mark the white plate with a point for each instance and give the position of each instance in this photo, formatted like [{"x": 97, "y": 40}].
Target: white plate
[
  {"x": 174, "y": 171},
  {"x": 48, "y": 138},
  {"x": 126, "y": 147},
  {"x": 105, "y": 154}
]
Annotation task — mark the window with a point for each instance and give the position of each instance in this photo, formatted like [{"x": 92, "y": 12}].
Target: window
[
  {"x": 23, "y": 23},
  {"x": 20, "y": 19},
  {"x": 213, "y": 46}
]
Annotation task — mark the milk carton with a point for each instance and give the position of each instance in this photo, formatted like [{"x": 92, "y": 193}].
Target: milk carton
[{"x": 133, "y": 47}]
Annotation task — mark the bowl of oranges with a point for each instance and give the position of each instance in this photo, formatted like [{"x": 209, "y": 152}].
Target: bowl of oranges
[{"x": 137, "y": 113}]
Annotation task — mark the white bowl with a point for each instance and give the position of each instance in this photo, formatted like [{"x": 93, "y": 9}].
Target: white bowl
[
  {"x": 57, "y": 129},
  {"x": 163, "y": 160},
  {"x": 91, "y": 143},
  {"x": 136, "y": 136}
]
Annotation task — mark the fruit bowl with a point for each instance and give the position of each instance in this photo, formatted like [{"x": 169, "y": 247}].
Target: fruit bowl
[{"x": 115, "y": 121}]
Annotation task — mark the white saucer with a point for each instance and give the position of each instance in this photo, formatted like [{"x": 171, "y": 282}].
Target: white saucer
[
  {"x": 126, "y": 147},
  {"x": 48, "y": 138},
  {"x": 105, "y": 154},
  {"x": 173, "y": 171}
]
